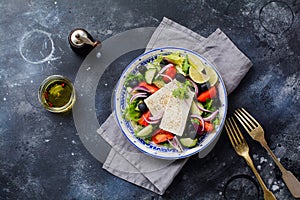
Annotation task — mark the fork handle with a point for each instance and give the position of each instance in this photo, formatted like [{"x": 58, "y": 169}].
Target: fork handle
[
  {"x": 266, "y": 146},
  {"x": 268, "y": 195},
  {"x": 290, "y": 180}
]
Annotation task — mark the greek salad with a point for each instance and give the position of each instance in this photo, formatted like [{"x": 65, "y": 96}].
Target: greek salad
[{"x": 173, "y": 100}]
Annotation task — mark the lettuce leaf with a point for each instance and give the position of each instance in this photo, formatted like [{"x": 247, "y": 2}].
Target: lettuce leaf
[
  {"x": 131, "y": 113},
  {"x": 175, "y": 58},
  {"x": 139, "y": 77},
  {"x": 157, "y": 61},
  {"x": 186, "y": 65}
]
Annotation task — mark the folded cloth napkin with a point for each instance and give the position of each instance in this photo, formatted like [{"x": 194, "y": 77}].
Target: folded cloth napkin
[{"x": 125, "y": 160}]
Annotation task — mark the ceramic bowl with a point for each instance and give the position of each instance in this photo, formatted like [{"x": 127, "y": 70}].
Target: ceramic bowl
[{"x": 120, "y": 102}]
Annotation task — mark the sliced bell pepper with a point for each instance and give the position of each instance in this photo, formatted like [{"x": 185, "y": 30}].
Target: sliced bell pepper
[
  {"x": 151, "y": 87},
  {"x": 161, "y": 136},
  {"x": 208, "y": 127},
  {"x": 209, "y": 94},
  {"x": 171, "y": 72},
  {"x": 142, "y": 121}
]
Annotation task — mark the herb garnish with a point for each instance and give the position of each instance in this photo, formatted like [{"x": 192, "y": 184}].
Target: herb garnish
[{"x": 182, "y": 91}]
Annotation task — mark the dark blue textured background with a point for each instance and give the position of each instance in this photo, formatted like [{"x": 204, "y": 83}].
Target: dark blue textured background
[{"x": 41, "y": 155}]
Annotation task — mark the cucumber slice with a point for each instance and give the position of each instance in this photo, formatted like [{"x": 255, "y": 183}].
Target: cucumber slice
[
  {"x": 149, "y": 75},
  {"x": 195, "y": 110},
  {"x": 145, "y": 131},
  {"x": 136, "y": 127},
  {"x": 188, "y": 142}
]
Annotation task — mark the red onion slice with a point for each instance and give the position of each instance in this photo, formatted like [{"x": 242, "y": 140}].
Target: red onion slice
[
  {"x": 195, "y": 86},
  {"x": 158, "y": 116},
  {"x": 150, "y": 122},
  {"x": 138, "y": 95},
  {"x": 164, "y": 69},
  {"x": 196, "y": 127},
  {"x": 166, "y": 76},
  {"x": 202, "y": 109},
  {"x": 201, "y": 119},
  {"x": 171, "y": 143},
  {"x": 212, "y": 116},
  {"x": 141, "y": 88},
  {"x": 176, "y": 144}
]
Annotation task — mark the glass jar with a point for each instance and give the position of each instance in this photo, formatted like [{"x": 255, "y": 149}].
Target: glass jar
[{"x": 57, "y": 94}]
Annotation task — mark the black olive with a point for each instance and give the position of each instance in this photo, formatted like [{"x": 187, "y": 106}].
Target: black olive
[
  {"x": 181, "y": 78},
  {"x": 142, "y": 69},
  {"x": 190, "y": 127},
  {"x": 143, "y": 107},
  {"x": 189, "y": 130},
  {"x": 164, "y": 62},
  {"x": 203, "y": 87},
  {"x": 133, "y": 83}
]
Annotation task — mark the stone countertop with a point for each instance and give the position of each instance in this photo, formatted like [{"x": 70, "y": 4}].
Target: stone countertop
[{"x": 42, "y": 156}]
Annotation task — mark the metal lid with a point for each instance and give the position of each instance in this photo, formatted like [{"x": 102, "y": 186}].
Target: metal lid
[{"x": 76, "y": 35}]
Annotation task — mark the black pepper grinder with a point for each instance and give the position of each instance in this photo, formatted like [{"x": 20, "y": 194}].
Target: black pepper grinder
[{"x": 82, "y": 42}]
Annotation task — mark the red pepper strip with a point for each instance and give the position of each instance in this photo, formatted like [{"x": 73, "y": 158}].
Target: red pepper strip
[
  {"x": 171, "y": 72},
  {"x": 142, "y": 121},
  {"x": 209, "y": 94},
  {"x": 161, "y": 136},
  {"x": 208, "y": 127},
  {"x": 152, "y": 88}
]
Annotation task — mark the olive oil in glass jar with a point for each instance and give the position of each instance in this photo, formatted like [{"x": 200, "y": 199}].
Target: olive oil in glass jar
[{"x": 57, "y": 94}]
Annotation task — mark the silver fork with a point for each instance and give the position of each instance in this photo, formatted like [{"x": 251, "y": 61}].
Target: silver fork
[
  {"x": 242, "y": 149},
  {"x": 257, "y": 133}
]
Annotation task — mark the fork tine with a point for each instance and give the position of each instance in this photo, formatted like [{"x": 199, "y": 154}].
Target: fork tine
[
  {"x": 245, "y": 116},
  {"x": 239, "y": 139},
  {"x": 232, "y": 132},
  {"x": 238, "y": 130},
  {"x": 252, "y": 118},
  {"x": 244, "y": 123},
  {"x": 228, "y": 130}
]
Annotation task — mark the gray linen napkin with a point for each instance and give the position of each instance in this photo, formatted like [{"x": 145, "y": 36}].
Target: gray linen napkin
[{"x": 125, "y": 160}]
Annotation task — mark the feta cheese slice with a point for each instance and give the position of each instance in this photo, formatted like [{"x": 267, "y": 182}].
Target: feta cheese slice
[
  {"x": 157, "y": 102},
  {"x": 176, "y": 114}
]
